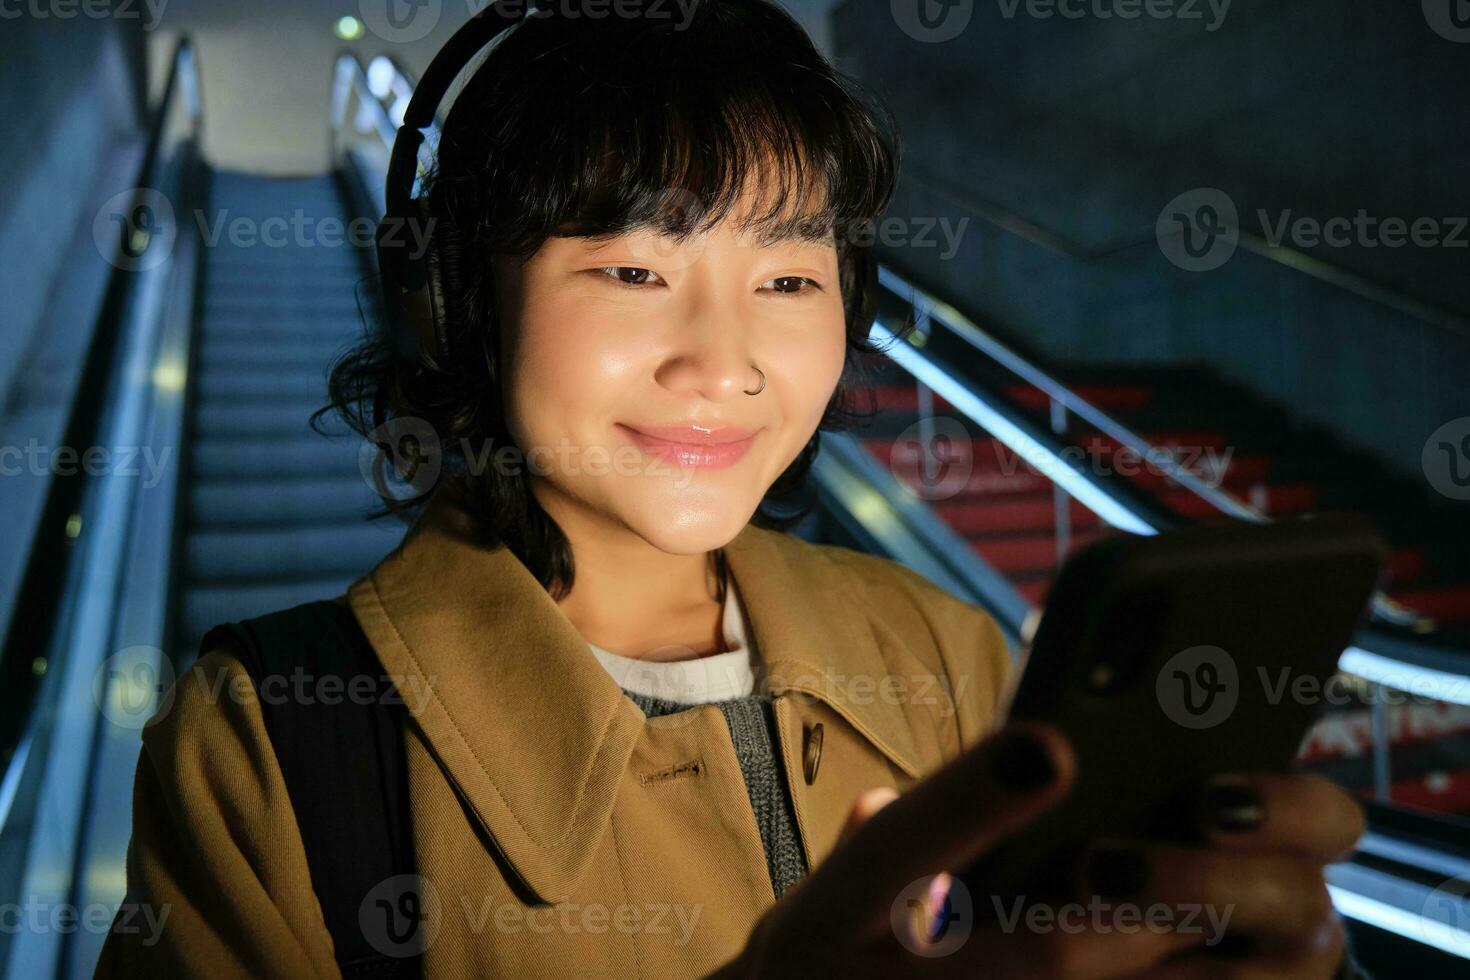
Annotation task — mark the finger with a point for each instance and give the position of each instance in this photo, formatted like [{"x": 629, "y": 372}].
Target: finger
[
  {"x": 867, "y": 804},
  {"x": 1264, "y": 900},
  {"x": 941, "y": 822},
  {"x": 1318, "y": 958},
  {"x": 1302, "y": 814},
  {"x": 1070, "y": 940}
]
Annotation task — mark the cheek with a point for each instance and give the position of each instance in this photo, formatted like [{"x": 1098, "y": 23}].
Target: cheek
[
  {"x": 561, "y": 374},
  {"x": 812, "y": 369}
]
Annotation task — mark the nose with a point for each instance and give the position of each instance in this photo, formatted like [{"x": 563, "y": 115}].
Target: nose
[{"x": 712, "y": 358}]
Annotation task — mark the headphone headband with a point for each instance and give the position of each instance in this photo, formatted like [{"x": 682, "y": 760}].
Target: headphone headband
[{"x": 419, "y": 290}]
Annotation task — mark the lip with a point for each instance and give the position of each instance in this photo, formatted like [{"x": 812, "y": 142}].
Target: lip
[{"x": 696, "y": 446}]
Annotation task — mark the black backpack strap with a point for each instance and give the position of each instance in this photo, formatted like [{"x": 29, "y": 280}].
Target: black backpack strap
[{"x": 336, "y": 724}]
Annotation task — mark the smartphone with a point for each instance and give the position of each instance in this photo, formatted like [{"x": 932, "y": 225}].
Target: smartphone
[{"x": 1169, "y": 659}]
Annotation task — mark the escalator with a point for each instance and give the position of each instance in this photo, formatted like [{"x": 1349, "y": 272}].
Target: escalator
[
  {"x": 264, "y": 512},
  {"x": 273, "y": 511}
]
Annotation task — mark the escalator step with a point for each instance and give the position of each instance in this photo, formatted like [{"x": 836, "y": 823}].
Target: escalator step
[
  {"x": 280, "y": 503},
  {"x": 316, "y": 552},
  {"x": 208, "y": 606},
  {"x": 307, "y": 457}
]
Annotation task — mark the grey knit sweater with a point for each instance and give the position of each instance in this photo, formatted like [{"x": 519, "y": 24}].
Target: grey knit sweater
[{"x": 753, "y": 730}]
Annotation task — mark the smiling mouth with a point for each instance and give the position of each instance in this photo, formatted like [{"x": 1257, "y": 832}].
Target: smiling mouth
[{"x": 689, "y": 446}]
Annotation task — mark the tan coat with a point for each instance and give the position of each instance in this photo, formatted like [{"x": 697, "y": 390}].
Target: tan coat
[{"x": 562, "y": 833}]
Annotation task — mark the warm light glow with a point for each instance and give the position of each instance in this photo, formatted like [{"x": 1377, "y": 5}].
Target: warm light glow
[{"x": 349, "y": 28}]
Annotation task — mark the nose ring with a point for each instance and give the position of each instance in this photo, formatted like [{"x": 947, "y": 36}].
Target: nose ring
[{"x": 762, "y": 386}]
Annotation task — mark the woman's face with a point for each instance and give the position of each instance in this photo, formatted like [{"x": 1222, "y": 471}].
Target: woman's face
[{"x": 622, "y": 353}]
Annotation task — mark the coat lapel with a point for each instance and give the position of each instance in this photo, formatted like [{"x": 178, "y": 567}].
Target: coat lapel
[{"x": 533, "y": 733}]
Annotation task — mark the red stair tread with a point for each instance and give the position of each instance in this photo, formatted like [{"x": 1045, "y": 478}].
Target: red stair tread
[
  {"x": 1279, "y": 498},
  {"x": 1009, "y": 513},
  {"x": 1447, "y": 602},
  {"x": 1031, "y": 553},
  {"x": 1105, "y": 396}
]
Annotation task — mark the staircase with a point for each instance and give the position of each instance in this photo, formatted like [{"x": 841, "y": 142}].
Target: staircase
[
  {"x": 274, "y": 513},
  {"x": 1006, "y": 511}
]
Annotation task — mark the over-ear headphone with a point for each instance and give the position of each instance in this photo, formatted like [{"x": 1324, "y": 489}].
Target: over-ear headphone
[{"x": 419, "y": 265}]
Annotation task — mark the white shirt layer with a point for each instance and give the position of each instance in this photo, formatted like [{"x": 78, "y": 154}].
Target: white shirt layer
[{"x": 693, "y": 680}]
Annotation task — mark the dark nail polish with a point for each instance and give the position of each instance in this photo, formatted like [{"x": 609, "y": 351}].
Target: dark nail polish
[
  {"x": 1234, "y": 806},
  {"x": 1022, "y": 763},
  {"x": 1116, "y": 872}
]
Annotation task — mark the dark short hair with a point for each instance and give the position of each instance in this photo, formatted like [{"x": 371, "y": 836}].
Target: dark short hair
[{"x": 598, "y": 126}]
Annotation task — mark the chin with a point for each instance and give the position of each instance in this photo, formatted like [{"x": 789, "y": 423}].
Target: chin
[{"x": 689, "y": 526}]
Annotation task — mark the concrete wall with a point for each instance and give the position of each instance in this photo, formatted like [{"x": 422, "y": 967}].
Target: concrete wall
[
  {"x": 1087, "y": 127},
  {"x": 74, "y": 89}
]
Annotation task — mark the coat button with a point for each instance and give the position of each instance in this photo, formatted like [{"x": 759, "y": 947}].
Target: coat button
[{"x": 812, "y": 754}]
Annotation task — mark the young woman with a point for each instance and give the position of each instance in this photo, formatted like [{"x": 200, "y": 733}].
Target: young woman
[{"x": 648, "y": 733}]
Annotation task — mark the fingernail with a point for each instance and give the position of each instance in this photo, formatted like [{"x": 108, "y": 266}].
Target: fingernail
[
  {"x": 1233, "y": 805},
  {"x": 1022, "y": 763},
  {"x": 1116, "y": 872}
]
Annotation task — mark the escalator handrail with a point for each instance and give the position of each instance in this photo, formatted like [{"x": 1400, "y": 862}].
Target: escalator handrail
[{"x": 928, "y": 308}]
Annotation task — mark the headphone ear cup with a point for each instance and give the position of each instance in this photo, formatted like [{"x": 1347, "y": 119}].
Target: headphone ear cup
[
  {"x": 412, "y": 270},
  {"x": 445, "y": 276}
]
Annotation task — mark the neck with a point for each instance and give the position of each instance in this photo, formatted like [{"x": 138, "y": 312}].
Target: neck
[{"x": 632, "y": 598}]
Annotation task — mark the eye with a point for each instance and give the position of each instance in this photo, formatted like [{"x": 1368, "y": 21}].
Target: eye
[
  {"x": 627, "y": 275},
  {"x": 790, "y": 285}
]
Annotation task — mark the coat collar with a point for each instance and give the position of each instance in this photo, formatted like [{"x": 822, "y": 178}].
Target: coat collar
[{"x": 472, "y": 626}]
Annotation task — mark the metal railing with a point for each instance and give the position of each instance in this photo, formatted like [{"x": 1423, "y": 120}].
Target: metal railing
[{"x": 114, "y": 593}]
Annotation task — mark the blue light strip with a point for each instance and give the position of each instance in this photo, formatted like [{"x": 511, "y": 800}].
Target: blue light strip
[
  {"x": 1411, "y": 678},
  {"x": 1419, "y": 928},
  {"x": 1034, "y": 453}
]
